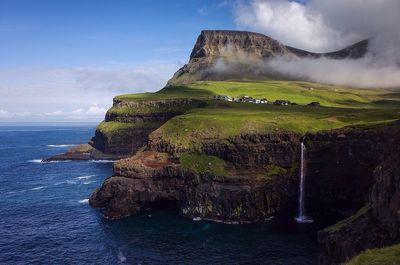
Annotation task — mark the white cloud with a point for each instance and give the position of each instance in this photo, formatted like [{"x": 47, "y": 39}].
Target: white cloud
[
  {"x": 328, "y": 25},
  {"x": 321, "y": 25},
  {"x": 54, "y": 113},
  {"x": 4, "y": 113},
  {"x": 68, "y": 93},
  {"x": 95, "y": 109},
  {"x": 77, "y": 111}
]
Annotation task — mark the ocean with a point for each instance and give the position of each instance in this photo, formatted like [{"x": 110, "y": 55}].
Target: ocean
[{"x": 45, "y": 217}]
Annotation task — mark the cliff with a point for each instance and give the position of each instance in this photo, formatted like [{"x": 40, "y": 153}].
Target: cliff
[
  {"x": 227, "y": 54},
  {"x": 248, "y": 186},
  {"x": 376, "y": 225},
  {"x": 259, "y": 177}
]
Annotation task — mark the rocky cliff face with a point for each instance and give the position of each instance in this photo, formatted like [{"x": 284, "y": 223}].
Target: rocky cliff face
[
  {"x": 262, "y": 177},
  {"x": 217, "y": 50},
  {"x": 375, "y": 225},
  {"x": 340, "y": 164},
  {"x": 280, "y": 147},
  {"x": 135, "y": 120},
  {"x": 261, "y": 181}
]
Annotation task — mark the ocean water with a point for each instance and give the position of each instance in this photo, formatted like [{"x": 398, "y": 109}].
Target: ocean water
[{"x": 45, "y": 217}]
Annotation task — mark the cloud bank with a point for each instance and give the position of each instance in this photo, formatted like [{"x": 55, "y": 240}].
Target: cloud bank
[
  {"x": 74, "y": 93},
  {"x": 329, "y": 25}
]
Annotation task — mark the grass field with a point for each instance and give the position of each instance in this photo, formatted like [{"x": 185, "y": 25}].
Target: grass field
[
  {"x": 380, "y": 256},
  {"x": 340, "y": 106},
  {"x": 296, "y": 91},
  {"x": 223, "y": 120}
]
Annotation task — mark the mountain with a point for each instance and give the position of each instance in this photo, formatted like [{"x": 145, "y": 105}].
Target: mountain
[{"x": 224, "y": 54}]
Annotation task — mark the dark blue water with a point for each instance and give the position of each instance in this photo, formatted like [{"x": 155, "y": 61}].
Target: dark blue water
[{"x": 45, "y": 218}]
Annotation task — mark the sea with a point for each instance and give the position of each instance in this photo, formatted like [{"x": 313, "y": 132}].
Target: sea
[{"x": 45, "y": 217}]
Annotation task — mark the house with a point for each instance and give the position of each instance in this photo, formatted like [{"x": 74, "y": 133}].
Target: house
[
  {"x": 261, "y": 101},
  {"x": 282, "y": 102},
  {"x": 246, "y": 99},
  {"x": 223, "y": 98}
]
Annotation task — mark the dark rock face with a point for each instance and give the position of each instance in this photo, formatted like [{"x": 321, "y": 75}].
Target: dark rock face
[
  {"x": 340, "y": 164},
  {"x": 236, "y": 48},
  {"x": 124, "y": 143},
  {"x": 280, "y": 148},
  {"x": 83, "y": 152},
  {"x": 152, "y": 179},
  {"x": 143, "y": 117},
  {"x": 375, "y": 225}
]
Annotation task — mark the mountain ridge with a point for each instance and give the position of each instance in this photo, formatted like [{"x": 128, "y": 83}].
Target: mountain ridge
[{"x": 241, "y": 51}]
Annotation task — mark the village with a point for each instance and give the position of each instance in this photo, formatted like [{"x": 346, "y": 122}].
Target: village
[{"x": 249, "y": 99}]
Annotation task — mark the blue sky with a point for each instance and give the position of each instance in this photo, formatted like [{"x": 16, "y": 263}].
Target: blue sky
[
  {"x": 71, "y": 32},
  {"x": 64, "y": 60},
  {"x": 69, "y": 58}
]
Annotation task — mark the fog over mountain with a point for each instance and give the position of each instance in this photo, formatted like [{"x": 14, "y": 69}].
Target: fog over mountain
[{"x": 322, "y": 26}]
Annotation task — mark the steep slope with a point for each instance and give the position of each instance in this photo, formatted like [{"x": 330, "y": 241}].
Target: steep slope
[
  {"x": 377, "y": 224},
  {"x": 223, "y": 54}
]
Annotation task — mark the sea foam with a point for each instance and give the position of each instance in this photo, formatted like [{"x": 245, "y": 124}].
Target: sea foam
[
  {"x": 60, "y": 145},
  {"x": 84, "y": 201},
  {"x": 101, "y": 161}
]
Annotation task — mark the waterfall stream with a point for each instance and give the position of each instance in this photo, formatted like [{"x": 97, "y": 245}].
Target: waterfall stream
[{"x": 302, "y": 217}]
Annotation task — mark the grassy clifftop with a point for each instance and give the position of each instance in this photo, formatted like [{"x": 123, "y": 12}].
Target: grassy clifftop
[
  {"x": 206, "y": 118},
  {"x": 296, "y": 91}
]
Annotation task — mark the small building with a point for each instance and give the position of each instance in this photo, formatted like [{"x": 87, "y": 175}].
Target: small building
[
  {"x": 246, "y": 99},
  {"x": 223, "y": 98},
  {"x": 282, "y": 102},
  {"x": 261, "y": 101}
]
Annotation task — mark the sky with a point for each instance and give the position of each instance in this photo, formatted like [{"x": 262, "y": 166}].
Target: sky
[{"x": 64, "y": 60}]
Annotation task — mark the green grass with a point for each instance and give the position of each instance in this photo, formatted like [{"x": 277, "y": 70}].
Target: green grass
[
  {"x": 381, "y": 256},
  {"x": 223, "y": 120},
  {"x": 203, "y": 164},
  {"x": 341, "y": 106},
  {"x": 296, "y": 91},
  {"x": 114, "y": 128}
]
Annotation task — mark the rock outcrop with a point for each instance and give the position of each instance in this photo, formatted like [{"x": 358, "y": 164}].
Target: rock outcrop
[
  {"x": 256, "y": 187},
  {"x": 376, "y": 225},
  {"x": 340, "y": 165},
  {"x": 222, "y": 54}
]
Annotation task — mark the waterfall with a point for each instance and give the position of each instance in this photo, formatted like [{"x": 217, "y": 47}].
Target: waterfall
[{"x": 302, "y": 217}]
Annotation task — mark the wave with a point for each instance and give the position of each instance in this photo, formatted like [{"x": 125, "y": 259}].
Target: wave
[
  {"x": 38, "y": 188},
  {"x": 84, "y": 201},
  {"x": 101, "y": 161},
  {"x": 60, "y": 145},
  {"x": 121, "y": 257},
  {"x": 85, "y": 177},
  {"x": 87, "y": 182},
  {"x": 40, "y": 161},
  {"x": 71, "y": 182},
  {"x": 36, "y": 161}
]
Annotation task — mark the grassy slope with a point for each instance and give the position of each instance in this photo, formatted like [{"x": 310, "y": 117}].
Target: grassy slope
[
  {"x": 381, "y": 256},
  {"x": 296, "y": 91},
  {"x": 341, "y": 106}
]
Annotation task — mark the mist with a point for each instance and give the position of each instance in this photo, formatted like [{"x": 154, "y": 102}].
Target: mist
[{"x": 325, "y": 26}]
